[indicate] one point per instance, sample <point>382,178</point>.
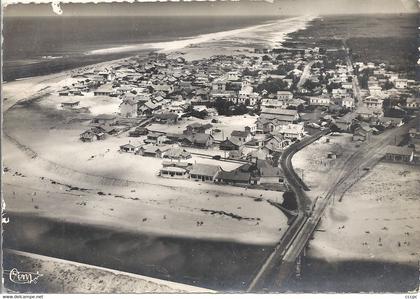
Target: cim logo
<point>23,277</point>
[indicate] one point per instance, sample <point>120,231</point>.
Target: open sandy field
<point>377,219</point>
<point>317,169</point>
<point>48,166</point>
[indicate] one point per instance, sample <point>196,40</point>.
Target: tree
<point>272,85</point>
<point>289,201</point>
<point>266,58</point>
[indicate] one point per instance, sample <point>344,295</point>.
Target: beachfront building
<point>204,172</point>
<point>128,148</point>
<point>173,172</point>
<point>70,105</point>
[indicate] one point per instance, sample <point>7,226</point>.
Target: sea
<point>42,45</point>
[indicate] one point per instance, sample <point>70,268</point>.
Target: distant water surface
<point>35,45</point>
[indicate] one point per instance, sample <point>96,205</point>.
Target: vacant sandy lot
<point>317,169</point>
<point>378,219</point>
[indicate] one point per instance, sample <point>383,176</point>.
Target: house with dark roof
<point>362,133</point>
<point>155,138</point>
<point>198,128</point>
<point>241,136</point>
<point>200,140</point>
<point>139,131</point>
<point>234,177</point>
<point>262,172</point>
<point>285,116</point>
<point>204,172</point>
<point>166,118</point>
<point>128,148</point>
<point>230,144</point>
<point>151,150</point>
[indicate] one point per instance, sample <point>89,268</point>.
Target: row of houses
<point>259,173</point>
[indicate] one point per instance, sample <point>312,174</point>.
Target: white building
<point>348,103</point>
<point>319,101</point>
<point>291,131</point>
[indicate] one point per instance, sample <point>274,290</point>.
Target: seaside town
<point>172,109</point>
<point>243,160</point>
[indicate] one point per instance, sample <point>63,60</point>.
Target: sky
<point>221,8</point>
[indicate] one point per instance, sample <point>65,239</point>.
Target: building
<point>198,128</point>
<point>176,153</point>
<point>399,154</point>
<point>366,113</point>
<point>284,96</point>
<point>128,148</point>
<point>104,90</point>
<point>262,172</point>
<point>230,145</point>
<point>286,116</point>
<point>241,136</point>
<point>319,101</point>
<point>104,119</point>
<point>166,118</point>
<point>234,177</point>
<point>401,83</point>
<point>155,138</point>
<point>92,135</point>
<point>139,131</point>
<point>204,172</point>
<point>129,107</point>
<point>344,123</point>
<point>173,172</point>
<point>347,103</point>
<point>201,140</point>
<point>276,144</point>
<point>362,133</point>
<point>373,102</point>
<point>413,103</point>
<point>151,150</point>
<point>69,105</point>
<point>292,131</point>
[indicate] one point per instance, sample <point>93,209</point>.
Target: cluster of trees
<point>289,201</point>
<point>199,114</point>
<point>228,108</point>
<point>272,85</point>
<point>283,69</point>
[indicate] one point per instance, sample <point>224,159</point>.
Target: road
<point>356,87</point>
<point>305,74</point>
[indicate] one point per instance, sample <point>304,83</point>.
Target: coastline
<point>118,53</point>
